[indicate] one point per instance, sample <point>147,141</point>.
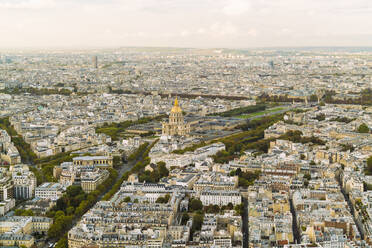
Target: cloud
<point>252,32</point>
<point>185,33</point>
<point>229,23</point>
<point>27,4</point>
<point>236,7</point>
<point>221,29</point>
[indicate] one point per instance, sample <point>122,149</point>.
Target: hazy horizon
<point>237,24</point>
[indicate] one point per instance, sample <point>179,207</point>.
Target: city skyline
<point>185,123</point>
<point>181,23</point>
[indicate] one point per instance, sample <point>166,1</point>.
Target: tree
<point>197,222</point>
<point>23,212</point>
<point>167,197</point>
<point>163,171</point>
<point>366,187</point>
<point>369,166</point>
<point>313,98</point>
<point>363,128</point>
<point>212,209</point>
<point>239,209</point>
<point>247,178</point>
<point>185,218</point>
<point>307,176</point>
<point>161,163</point>
<point>60,224</point>
<point>28,212</point>
<point>320,117</point>
<point>18,212</point>
<point>70,210</point>
<point>306,183</point>
<point>127,199</point>
<point>196,204</point>
<point>117,161</point>
<point>62,242</point>
<point>59,214</point>
<point>347,147</point>
<point>75,201</point>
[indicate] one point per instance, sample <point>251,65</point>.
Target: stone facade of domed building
<point>176,125</point>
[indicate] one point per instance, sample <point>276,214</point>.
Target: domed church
<point>176,125</point>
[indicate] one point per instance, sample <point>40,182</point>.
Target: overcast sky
<point>185,23</point>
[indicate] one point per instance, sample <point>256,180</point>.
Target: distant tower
<point>271,63</point>
<point>95,62</point>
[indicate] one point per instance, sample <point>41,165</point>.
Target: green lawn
<point>259,113</point>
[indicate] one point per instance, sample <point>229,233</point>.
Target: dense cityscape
<point>171,147</point>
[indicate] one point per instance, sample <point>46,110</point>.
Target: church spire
<point>176,102</point>
<point>176,108</point>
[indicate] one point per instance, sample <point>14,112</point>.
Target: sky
<point>185,23</point>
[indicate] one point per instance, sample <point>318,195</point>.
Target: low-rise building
<point>6,188</point>
<point>97,161</point>
<point>91,180</point>
<point>22,240</point>
<point>24,182</point>
<point>220,197</point>
<point>49,190</point>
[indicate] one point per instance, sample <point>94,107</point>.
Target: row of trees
<point>342,119</point>
<point>296,137</point>
<point>23,212</point>
<point>368,170</point>
<point>282,98</point>
<point>365,98</point>
<point>38,91</point>
<point>159,171</point>
<point>47,164</point>
<point>114,129</point>
<point>72,205</point>
<point>253,131</point>
<point>28,156</point>
<point>241,111</point>
<point>57,158</point>
<point>141,156</point>
<point>138,152</point>
<point>24,149</point>
<point>116,186</point>
<point>190,148</point>
<point>253,139</point>
<point>250,138</point>
<point>181,95</point>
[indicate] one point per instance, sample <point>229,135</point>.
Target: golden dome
<point>176,108</point>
